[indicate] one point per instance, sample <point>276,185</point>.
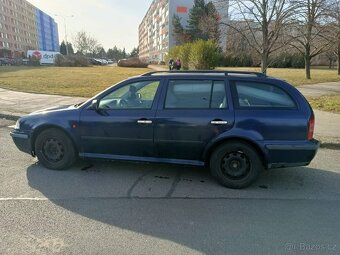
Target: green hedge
<point>200,55</point>
<point>288,60</point>
<point>206,55</point>
<point>71,61</point>
<point>238,60</point>
<point>282,60</point>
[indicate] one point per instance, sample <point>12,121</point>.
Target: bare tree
<point>261,23</point>
<point>86,44</point>
<point>333,12</point>
<point>209,23</point>
<point>310,30</point>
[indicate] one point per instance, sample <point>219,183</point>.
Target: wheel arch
<point>247,141</point>
<point>44,127</point>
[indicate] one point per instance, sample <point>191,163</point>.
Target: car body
<point>7,61</point>
<point>237,123</point>
<point>97,61</point>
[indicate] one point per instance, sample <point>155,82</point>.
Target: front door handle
<point>219,122</point>
<point>144,121</point>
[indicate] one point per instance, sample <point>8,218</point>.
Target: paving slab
<point>19,103</point>
<point>327,127</point>
<point>321,89</point>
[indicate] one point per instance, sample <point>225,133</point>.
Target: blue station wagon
<point>235,123</point>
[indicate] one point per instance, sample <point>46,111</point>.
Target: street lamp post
<point>65,17</point>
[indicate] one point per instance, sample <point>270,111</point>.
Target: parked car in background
<point>7,61</point>
<point>94,61</point>
<point>235,123</point>
<point>103,61</point>
<point>98,61</point>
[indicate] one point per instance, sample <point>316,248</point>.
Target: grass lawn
<point>88,81</point>
<point>296,77</point>
<point>326,103</point>
<point>74,81</point>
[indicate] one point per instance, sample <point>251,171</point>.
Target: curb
<point>330,146</point>
<point>9,116</point>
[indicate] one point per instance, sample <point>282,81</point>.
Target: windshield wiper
<point>77,105</point>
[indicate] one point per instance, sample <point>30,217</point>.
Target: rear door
<point>191,113</point>
<point>268,109</point>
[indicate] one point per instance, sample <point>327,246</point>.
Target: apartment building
<point>24,27</point>
<point>156,30</point>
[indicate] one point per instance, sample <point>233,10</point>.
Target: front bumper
<point>22,140</point>
<point>291,154</point>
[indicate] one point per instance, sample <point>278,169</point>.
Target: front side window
<point>262,95</point>
<point>137,95</point>
<point>196,94</point>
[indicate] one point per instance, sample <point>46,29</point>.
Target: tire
<point>54,149</point>
<point>235,165</point>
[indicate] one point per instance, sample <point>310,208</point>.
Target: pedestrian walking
<point>178,64</point>
<point>171,64</point>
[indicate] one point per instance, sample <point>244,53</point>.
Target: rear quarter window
<point>260,95</point>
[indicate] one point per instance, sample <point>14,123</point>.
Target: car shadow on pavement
<point>179,204</point>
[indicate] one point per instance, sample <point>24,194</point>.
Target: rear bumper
<point>22,141</point>
<point>291,155</point>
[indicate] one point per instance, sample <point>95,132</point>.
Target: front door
<point>193,113</point>
<point>123,123</point>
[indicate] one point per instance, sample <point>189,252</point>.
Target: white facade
<point>155,31</point>
<point>222,6</point>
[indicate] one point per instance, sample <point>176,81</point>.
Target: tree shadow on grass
<point>7,69</point>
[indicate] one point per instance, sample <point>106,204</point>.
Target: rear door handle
<point>144,121</point>
<point>219,122</point>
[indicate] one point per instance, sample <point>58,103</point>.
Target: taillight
<point>311,124</point>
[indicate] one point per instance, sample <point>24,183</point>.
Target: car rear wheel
<point>54,149</point>
<point>235,165</point>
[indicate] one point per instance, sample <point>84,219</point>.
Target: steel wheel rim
<point>235,165</point>
<point>53,150</point>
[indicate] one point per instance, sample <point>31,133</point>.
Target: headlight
<point>17,125</point>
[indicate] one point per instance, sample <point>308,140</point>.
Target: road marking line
<point>167,198</point>
<point>13,126</point>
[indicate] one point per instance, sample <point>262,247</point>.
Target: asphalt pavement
<point>100,207</point>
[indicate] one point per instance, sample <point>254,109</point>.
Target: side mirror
<point>94,105</point>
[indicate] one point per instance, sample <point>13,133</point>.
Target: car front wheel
<point>54,149</point>
<point>235,165</point>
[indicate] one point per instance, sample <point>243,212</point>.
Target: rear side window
<point>262,95</point>
<point>196,94</point>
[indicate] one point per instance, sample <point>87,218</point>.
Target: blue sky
<point>111,22</point>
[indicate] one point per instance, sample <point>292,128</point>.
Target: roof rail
<point>226,73</point>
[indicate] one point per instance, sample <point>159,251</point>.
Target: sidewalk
<point>321,89</point>
<point>15,104</point>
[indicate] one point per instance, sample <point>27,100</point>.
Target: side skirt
<point>142,159</point>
